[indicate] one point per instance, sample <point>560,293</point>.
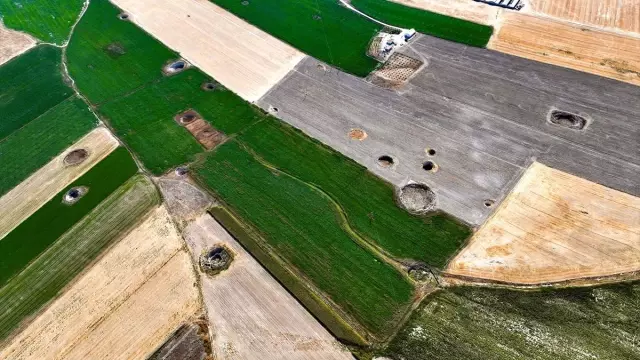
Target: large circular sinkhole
<point>182,171</point>
<point>76,157</point>
<point>74,194</point>
<point>175,67</point>
<point>215,259</point>
<point>421,272</point>
<point>430,166</point>
<point>187,117</point>
<point>385,161</point>
<point>417,198</point>
<point>567,120</point>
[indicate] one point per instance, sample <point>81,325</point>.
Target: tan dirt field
<point>251,316</point>
<point>13,43</point>
<point>554,227</point>
<point>123,307</point>
<point>462,9</point>
<point>615,14</point>
<point>241,57</point>
<point>26,198</point>
<point>564,44</point>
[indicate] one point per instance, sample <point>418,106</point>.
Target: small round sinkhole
<point>175,67</point>
<point>188,118</point>
<point>245,3</point>
<point>357,134</point>
<point>385,161</point>
<point>123,16</point>
<point>178,65</point>
<point>215,259</point>
<point>431,152</point>
<point>316,17</point>
<point>209,86</point>
<point>429,166</point>
<point>567,120</point>
<point>273,109</point>
<point>76,157</point>
<point>74,194</point>
<point>417,198</point>
<point>489,203</point>
<point>182,171</point>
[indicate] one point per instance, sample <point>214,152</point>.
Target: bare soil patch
<point>13,43</point>
<point>463,9</point>
<point>396,71</point>
<point>357,134</point>
<point>206,135</point>
<point>417,198</point>
<point>75,157</point>
<point>189,342</point>
<point>184,200</point>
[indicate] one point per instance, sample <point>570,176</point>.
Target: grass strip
<point>40,230</point>
<point>46,276</point>
<point>48,20</point>
<point>30,85</point>
<point>53,132</point>
<point>367,200</point>
<point>314,304</point>
<point>303,227</point>
<point>483,323</point>
<point>426,22</point>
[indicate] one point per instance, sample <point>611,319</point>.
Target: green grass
<point>426,22</point>
<point>145,119</point>
<point>102,74</point>
<point>367,200</point>
<point>45,277</point>
<point>41,229</point>
<point>303,227</point>
<point>477,323</point>
<point>30,85</point>
<point>35,144</point>
<point>48,20</point>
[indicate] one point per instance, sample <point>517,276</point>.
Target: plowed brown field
<point>13,43</point>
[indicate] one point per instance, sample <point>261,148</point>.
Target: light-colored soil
<point>616,14</point>
<point>26,198</point>
<point>555,227</point>
<point>570,45</point>
<point>250,314</point>
<point>243,58</point>
<point>184,200</point>
<point>463,9</point>
<point>123,307</point>
<point>13,43</point>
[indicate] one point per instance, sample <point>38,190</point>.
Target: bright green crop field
<point>367,200</point>
<point>41,229</point>
<point>35,144</point>
<point>30,85</point>
<point>303,226</point>
<point>483,323</point>
<point>47,20</point>
<point>42,279</point>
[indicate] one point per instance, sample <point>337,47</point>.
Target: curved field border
<point>13,43</point>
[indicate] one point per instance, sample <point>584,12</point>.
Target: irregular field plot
<point>36,143</point>
<point>30,85</point>
<point>462,9</point>
<point>41,229</point>
<point>426,22</point>
<point>477,323</point>
<point>49,21</point>
<point>47,275</point>
<point>555,227</point>
<point>253,325</point>
<point>13,43</point>
<point>301,225</point>
<point>367,200</point>
<point>124,306</point>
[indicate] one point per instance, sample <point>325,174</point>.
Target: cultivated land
<point>13,43</point>
<point>32,193</point>
<point>616,14</point>
<point>45,277</point>
<point>477,323</point>
<point>463,9</point>
<point>248,61</point>
<point>124,306</point>
<point>40,230</point>
<point>561,43</point>
<point>272,325</point>
<point>554,227</point>
<point>49,20</point>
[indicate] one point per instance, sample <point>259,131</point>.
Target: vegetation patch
<point>483,323</point>
<point>43,279</point>
<point>41,229</point>
<point>39,141</point>
<point>49,20</point>
<point>30,85</point>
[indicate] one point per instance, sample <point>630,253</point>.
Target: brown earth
<point>463,9</point>
<point>184,200</point>
<point>570,45</point>
<point>357,134</point>
<point>13,43</point>
<point>554,227</point>
<point>205,134</point>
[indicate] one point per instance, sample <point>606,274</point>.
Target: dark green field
<point>47,20</point>
<point>41,229</point>
<point>477,323</point>
<point>367,200</point>
<point>30,85</point>
<point>426,22</point>
<point>35,144</point>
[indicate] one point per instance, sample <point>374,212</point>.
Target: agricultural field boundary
<point>13,43</point>
<point>49,274</point>
<point>31,194</point>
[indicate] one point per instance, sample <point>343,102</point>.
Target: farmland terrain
<point>13,43</point>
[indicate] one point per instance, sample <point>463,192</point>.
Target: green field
<point>30,85</point>
<point>49,21</point>
<point>367,200</point>
<point>35,144</point>
<point>47,275</point>
<point>426,22</point>
<point>41,229</point>
<point>303,226</point>
<point>477,323</point>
